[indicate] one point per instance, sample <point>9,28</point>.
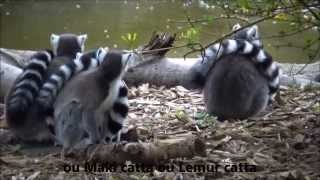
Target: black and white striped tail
<point>117,114</point>
<point>27,86</point>
<point>57,80</point>
<point>260,57</point>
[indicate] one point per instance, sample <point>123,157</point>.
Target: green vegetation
<point>191,35</point>
<point>294,28</point>
<point>204,120</point>
<point>130,39</point>
<point>298,15</point>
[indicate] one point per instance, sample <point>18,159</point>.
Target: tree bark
<point>19,58</point>
<point>8,74</point>
<point>164,71</point>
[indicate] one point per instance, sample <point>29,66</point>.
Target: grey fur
<point>71,129</point>
<point>235,89</point>
<point>67,44</point>
<point>200,70</point>
<point>56,81</point>
<point>92,89</point>
<point>317,78</point>
<point>237,75</point>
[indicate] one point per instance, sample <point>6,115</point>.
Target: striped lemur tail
<point>27,86</point>
<point>21,111</point>
<point>115,106</point>
<point>260,58</point>
<point>246,43</point>
<point>117,115</point>
<point>65,72</point>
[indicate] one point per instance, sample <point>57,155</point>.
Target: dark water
<point>27,24</point>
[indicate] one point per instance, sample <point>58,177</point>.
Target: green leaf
<point>203,119</point>
<point>129,39</point>
<point>134,36</point>
<point>208,18</point>
<point>124,38</point>
<point>281,17</point>
<point>129,36</point>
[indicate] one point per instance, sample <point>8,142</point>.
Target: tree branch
<point>310,10</point>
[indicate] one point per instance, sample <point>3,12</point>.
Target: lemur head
<point>250,34</point>
<point>113,64</point>
<point>67,44</point>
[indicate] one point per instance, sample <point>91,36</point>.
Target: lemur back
<point>214,52</point>
<point>246,46</point>
<point>65,72</point>
<point>235,89</point>
<point>103,97</point>
<point>23,115</point>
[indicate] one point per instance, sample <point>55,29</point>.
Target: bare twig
<point>203,20</point>
<point>159,43</point>
<point>227,35</point>
<point>243,27</point>
<point>310,10</point>
<point>289,33</point>
<point>311,58</point>
<point>193,50</point>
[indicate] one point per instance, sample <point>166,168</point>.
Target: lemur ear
<point>78,55</point>
<point>253,34</point>
<point>128,59</point>
<point>101,54</point>
<point>54,40</point>
<point>236,27</point>
<point>253,31</point>
<point>82,39</point>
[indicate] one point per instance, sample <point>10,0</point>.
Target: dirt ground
<point>284,143</point>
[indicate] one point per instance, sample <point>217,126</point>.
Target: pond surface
<point>27,24</point>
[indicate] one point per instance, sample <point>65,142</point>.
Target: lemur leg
<point>68,127</point>
<point>91,127</point>
<point>117,137</point>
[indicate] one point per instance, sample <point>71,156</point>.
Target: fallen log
<point>176,71</point>
<point>159,70</point>
<point>8,74</point>
<point>153,153</point>
<point>15,57</point>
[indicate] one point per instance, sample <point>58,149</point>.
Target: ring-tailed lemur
<point>56,81</point>
<point>260,58</point>
<point>201,68</point>
<point>102,95</point>
<point>246,45</point>
<point>23,115</point>
<point>235,88</point>
<point>246,42</point>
